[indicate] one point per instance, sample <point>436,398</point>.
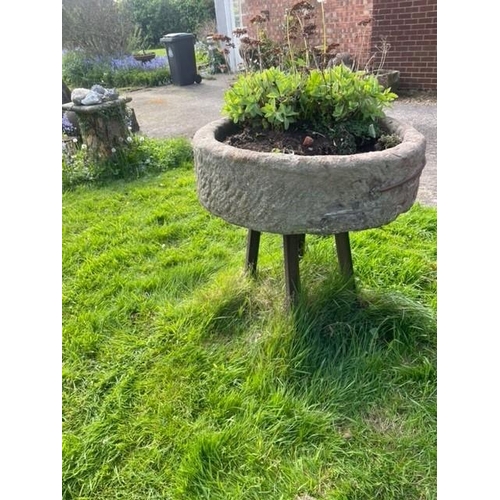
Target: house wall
<point>410,27</point>
<point>224,19</point>
<point>341,18</point>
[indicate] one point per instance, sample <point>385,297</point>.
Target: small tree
<point>98,27</point>
<point>156,18</point>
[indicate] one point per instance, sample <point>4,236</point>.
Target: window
<point>236,5</point>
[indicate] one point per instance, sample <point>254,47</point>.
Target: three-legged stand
<point>293,250</point>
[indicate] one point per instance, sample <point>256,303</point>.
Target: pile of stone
<point>95,95</point>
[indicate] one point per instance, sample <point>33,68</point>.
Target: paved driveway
<point>422,116</point>
<point>172,111</point>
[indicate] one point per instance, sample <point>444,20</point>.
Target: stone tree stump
<point>103,126</point>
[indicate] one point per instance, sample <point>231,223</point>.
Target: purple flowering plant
<point>113,72</point>
<point>67,126</point>
<point>130,63</point>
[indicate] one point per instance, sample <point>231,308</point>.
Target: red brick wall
<point>410,26</point>
<point>341,18</point>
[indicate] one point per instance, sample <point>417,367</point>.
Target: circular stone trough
<point>292,194</point>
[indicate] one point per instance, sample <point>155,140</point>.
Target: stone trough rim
<point>320,194</point>
<point>411,139</point>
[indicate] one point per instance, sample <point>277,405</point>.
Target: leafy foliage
<point>339,94</point>
<point>269,98</point>
<point>80,70</point>
<point>97,27</point>
<point>323,99</point>
<point>109,28</point>
<point>138,156</point>
<point>387,141</point>
<point>159,17</point>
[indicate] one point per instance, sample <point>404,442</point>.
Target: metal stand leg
<point>253,240</point>
<point>343,247</point>
<point>291,246</point>
<point>302,245</point>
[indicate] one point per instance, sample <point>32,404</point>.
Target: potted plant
<point>307,152</point>
<point>144,56</point>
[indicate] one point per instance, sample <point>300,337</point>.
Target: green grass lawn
<point>185,379</point>
<point>161,51</point>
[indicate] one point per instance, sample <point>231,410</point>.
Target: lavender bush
<point>81,71</point>
<point>130,63</point>
<point>67,126</point>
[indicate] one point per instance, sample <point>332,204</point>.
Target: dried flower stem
<point>290,49</point>
<point>306,47</point>
<point>384,49</point>
<point>324,32</point>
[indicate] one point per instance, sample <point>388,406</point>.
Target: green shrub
<point>158,17</point>
<point>79,70</point>
<point>136,158</point>
<point>340,95</point>
<point>319,99</point>
<point>268,98</point>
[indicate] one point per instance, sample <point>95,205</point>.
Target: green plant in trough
<point>267,98</point>
<point>320,100</point>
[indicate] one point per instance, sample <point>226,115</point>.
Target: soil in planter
<point>305,142</point>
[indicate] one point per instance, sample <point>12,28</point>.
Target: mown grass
<point>185,379</point>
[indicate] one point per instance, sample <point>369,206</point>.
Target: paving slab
<point>173,111</point>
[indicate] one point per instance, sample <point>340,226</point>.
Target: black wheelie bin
<point>181,58</point>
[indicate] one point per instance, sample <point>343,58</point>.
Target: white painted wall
<point>225,25</point>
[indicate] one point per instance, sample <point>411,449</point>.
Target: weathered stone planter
<point>145,57</point>
<point>291,194</point>
<point>389,78</point>
<point>294,195</point>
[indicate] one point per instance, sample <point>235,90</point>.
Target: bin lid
<point>175,37</point>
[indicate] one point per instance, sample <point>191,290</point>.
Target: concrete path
<point>422,116</point>
<point>172,111</point>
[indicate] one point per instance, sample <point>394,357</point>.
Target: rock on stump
<point>103,126</point>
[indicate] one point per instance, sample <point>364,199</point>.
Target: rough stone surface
<point>389,79</point>
<point>99,89</point>
<point>96,108</point>
<point>341,58</point>
<point>423,117</point>
<point>287,194</point>
<point>172,111</point>
<point>92,98</point>
<point>110,95</point>
<point>77,95</point>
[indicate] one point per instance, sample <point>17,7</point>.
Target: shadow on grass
<point>331,322</point>
<point>231,317</point>
<point>360,343</point>
<point>333,319</point>
<point>355,349</point>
